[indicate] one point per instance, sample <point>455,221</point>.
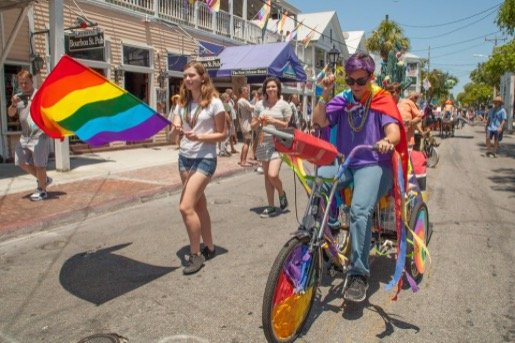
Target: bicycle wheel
<point>415,255</point>
<point>432,156</point>
<point>290,291</point>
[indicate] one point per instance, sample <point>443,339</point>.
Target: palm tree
<point>387,37</point>
<point>389,41</point>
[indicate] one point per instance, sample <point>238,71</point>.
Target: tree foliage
<point>387,37</point>
<point>475,94</point>
<point>441,84</point>
<point>506,17</point>
<point>501,61</point>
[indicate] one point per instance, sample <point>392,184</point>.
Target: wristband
<point>322,101</point>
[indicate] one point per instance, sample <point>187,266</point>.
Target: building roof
<point>353,40</point>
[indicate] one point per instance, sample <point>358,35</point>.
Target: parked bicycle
<point>317,246</point>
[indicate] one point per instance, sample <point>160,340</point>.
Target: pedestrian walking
<point>495,122</point>
<point>245,109</point>
<point>31,152</point>
<point>200,119</point>
<point>272,112</point>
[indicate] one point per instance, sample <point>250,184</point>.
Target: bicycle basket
<point>307,147</point>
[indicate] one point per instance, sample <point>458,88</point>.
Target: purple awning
<point>256,62</point>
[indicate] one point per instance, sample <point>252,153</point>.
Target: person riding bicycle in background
<point>364,114</point>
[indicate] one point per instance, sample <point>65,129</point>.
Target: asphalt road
<point>121,272</point>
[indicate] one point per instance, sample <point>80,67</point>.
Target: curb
<point>13,230</point>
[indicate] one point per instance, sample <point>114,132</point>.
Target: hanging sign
<point>86,40</point>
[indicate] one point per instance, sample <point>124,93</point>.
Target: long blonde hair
<point>207,89</point>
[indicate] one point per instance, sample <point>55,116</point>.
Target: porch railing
<point>198,15</point>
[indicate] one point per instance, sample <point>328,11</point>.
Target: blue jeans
<point>370,184</point>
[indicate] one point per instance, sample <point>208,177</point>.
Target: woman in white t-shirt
<point>272,111</point>
<point>199,118</point>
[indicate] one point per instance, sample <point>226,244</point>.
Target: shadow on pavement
<point>51,195</point>
<point>100,276</point>
<point>504,180</point>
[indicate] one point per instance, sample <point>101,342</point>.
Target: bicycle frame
<point>319,231</point>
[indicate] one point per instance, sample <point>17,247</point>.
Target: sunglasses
<point>361,81</point>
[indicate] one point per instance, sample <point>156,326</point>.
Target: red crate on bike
<point>309,148</point>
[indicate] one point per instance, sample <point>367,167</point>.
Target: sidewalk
<point>97,183</point>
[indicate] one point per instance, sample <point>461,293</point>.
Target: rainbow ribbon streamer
<point>75,100</point>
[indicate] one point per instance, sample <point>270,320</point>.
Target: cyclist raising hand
<point>363,114</point>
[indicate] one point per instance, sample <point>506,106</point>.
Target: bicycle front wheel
<point>290,291</point>
<point>432,157</point>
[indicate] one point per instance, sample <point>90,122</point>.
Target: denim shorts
<point>206,166</point>
<point>493,134</point>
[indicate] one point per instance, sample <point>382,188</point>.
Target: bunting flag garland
<point>309,37</point>
<point>263,14</point>
<point>293,33</point>
<point>214,5</point>
<point>281,22</point>
<point>75,100</point>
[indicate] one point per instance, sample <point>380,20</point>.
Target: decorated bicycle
<point>362,178</point>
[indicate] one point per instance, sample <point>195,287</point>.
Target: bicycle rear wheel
<point>415,255</point>
<point>290,291</point>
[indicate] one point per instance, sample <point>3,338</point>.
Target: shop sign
<point>249,72</point>
<point>210,62</point>
<point>86,40</point>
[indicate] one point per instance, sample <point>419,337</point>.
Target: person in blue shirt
<point>495,122</point>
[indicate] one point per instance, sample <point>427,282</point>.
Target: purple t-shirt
<point>338,110</point>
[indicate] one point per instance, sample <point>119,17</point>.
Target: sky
<point>461,33</point>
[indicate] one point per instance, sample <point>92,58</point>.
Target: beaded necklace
<point>363,118</point>
<point>190,118</point>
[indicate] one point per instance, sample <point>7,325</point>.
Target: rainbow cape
<point>75,100</point>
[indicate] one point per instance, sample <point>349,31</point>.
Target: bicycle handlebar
<point>278,133</point>
<point>345,165</point>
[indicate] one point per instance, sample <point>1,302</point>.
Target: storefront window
<point>136,56</point>
<point>177,62</point>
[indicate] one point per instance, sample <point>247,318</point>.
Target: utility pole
<point>62,148</point>
<point>495,39</point>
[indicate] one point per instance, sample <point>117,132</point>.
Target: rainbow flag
<point>263,14</point>
<point>309,37</point>
<point>214,5</point>
<point>293,33</point>
<point>75,100</point>
<point>282,21</point>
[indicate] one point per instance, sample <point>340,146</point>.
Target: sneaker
<point>259,170</point>
<point>49,180</point>
<point>208,254</point>
<point>283,201</point>
<point>39,195</point>
<point>268,212</point>
<point>356,289</point>
<point>194,264</point>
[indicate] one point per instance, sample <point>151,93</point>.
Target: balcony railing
<point>199,16</point>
